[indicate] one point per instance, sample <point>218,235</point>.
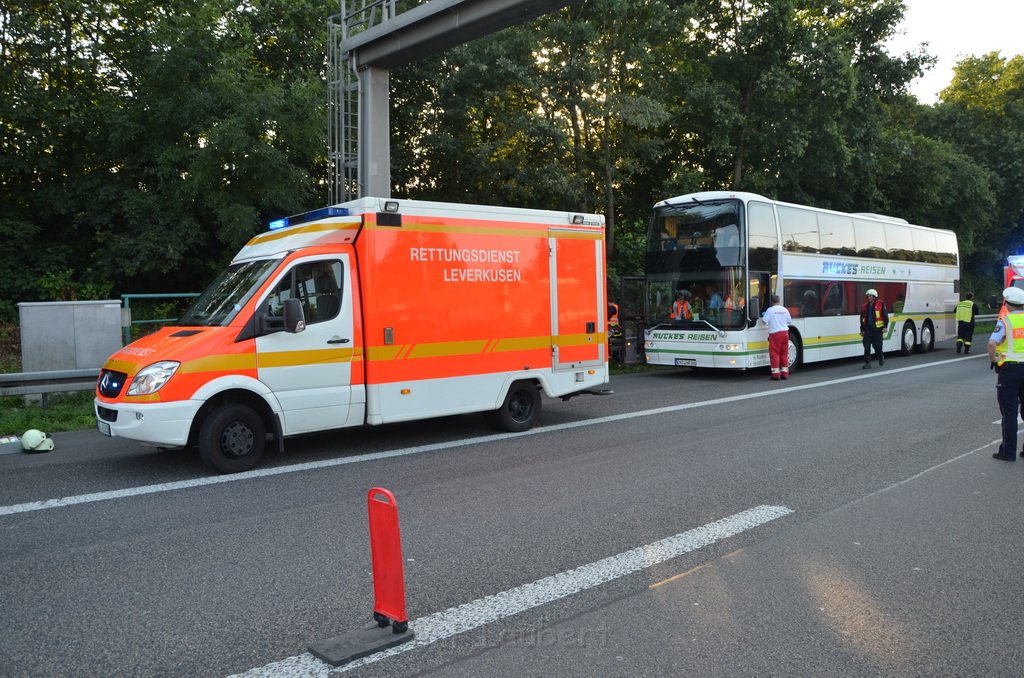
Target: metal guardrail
<point>57,381</point>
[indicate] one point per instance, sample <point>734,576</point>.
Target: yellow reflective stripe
<point>457,348</point>
<point>311,228</point>
<point>311,357</point>
<point>446,348</point>
<point>237,362</point>
<point>577,339</point>
<point>122,366</point>
<point>541,232</point>
<point>522,344</point>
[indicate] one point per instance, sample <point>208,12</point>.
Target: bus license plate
<point>686,362</point>
<point>103,427</point>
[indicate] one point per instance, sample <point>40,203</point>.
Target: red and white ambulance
<point>371,312</point>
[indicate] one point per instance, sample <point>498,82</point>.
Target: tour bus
<point>726,253</point>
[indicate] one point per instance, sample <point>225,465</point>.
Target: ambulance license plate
<point>686,362</point>
<point>103,427</point>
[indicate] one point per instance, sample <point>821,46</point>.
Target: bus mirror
<point>992,303</point>
<point>294,319</point>
<point>753,311</point>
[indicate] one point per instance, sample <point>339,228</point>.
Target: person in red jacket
<point>874,318</point>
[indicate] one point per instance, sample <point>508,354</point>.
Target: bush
<point>10,347</point>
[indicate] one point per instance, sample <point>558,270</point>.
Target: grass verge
<point>64,412</point>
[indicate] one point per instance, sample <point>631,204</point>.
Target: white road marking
<point>483,611</point>
<point>433,447</point>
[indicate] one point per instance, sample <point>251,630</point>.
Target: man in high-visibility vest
<point>873,321</point>
<point>681,307</point>
<point>966,311</point>
<point>1006,353</point>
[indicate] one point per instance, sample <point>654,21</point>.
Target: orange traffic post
<point>388,590</point>
<point>386,554</point>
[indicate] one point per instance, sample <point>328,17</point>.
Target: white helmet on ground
<point>35,440</point>
<point>1014,296</point>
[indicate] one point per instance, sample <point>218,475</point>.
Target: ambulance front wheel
<point>231,439</point>
<point>520,410</point>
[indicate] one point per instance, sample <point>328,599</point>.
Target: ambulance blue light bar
<point>305,217</point>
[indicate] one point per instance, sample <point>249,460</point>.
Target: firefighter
<point>966,311</point>
<point>1006,353</point>
<point>873,321</point>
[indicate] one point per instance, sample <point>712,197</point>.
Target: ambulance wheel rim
<point>520,406</point>
<point>236,440</point>
<point>232,438</point>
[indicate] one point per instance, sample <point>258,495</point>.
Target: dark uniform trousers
<point>872,339</point>
<point>1010,394</point>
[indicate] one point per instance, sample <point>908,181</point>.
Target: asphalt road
<point>845,522</point>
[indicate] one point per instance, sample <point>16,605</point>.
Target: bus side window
<point>834,300</point>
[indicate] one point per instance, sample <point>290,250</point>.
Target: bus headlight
<point>730,347</point>
<point>151,379</point>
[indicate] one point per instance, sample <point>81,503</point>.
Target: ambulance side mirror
<point>294,318</point>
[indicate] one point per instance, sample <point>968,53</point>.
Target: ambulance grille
<point>111,383</point>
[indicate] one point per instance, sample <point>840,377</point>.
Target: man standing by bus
<point>778,319</point>
<point>966,311</point>
<point>1006,351</point>
<point>873,321</point>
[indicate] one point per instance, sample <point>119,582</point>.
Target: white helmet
<point>871,293</point>
<point>35,440</point>
<point>1014,296</point>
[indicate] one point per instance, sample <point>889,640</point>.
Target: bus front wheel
<point>908,339</point>
<point>793,352</point>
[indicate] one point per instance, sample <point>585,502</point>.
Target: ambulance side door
<point>310,371</point>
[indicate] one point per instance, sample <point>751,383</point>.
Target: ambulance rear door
<point>578,307</point>
<point>310,371</point>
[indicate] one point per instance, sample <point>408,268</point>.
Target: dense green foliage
<point>143,143</point>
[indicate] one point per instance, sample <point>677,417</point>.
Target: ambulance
<point>1013,276</point>
<point>371,312</point>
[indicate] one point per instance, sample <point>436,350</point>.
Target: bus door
<point>760,295</point>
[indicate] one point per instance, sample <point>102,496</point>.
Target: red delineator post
<point>386,554</point>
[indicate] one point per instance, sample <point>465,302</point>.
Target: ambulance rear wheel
<point>231,439</point>
<point>520,410</point>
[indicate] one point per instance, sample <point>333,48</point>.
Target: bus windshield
<point>696,265</point>
<point>224,298</point>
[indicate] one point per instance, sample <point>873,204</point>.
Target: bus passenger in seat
<point>681,307</point>
<point>778,319</point>
<point>810,306</point>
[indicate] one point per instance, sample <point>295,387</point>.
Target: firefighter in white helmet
<point>874,318</point>
<point>1006,353</point>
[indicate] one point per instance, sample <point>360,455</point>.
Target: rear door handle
<point>337,340</point>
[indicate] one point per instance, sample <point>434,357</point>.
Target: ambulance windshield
<point>224,298</point>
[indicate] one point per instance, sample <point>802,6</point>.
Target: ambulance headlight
<point>152,378</point>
